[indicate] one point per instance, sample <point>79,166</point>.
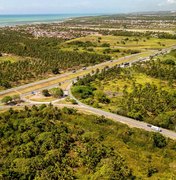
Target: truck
<point>156,128</point>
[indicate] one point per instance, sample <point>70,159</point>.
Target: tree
<point>46,93</point>
<point>7,99</point>
<point>16,98</point>
<point>105,45</point>
<point>57,92</point>
<point>55,71</point>
<point>169,62</point>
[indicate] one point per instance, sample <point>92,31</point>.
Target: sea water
<point>13,20</point>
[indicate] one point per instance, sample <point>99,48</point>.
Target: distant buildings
<point>53,31</point>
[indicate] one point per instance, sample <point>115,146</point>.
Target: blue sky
<point>83,6</point>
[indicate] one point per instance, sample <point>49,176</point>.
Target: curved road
<point>35,85</point>
<point>130,122</point>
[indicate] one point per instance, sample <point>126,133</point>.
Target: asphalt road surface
<point>130,122</point>
<point>108,63</point>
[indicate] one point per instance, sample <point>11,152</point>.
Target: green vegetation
<point>135,22</point>
<point>115,41</point>
<point>146,91</point>
<point>46,93</point>
<point>10,57</point>
<point>28,59</point>
<point>45,58</point>
<point>116,46</point>
<point>47,143</point>
<point>162,69</point>
<point>11,99</point>
<point>55,92</point>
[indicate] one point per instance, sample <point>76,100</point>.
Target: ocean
<point>13,20</point>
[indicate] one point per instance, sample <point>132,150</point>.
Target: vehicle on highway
<point>84,68</point>
<point>156,128</point>
<point>149,125</point>
<point>74,71</point>
<point>126,64</point>
<point>33,92</point>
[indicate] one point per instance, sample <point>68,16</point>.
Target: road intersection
<point>69,77</point>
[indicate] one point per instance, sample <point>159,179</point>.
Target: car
<point>74,71</point>
<point>126,64</point>
<point>33,93</point>
<point>149,125</point>
<point>84,68</point>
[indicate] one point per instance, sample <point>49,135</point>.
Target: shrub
<point>46,93</point>
<point>159,140</point>
<point>7,99</point>
<point>57,92</point>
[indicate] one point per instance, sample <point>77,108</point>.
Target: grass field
<point>11,58</point>
<point>171,55</point>
<point>114,88</point>
<point>117,43</point>
<point>40,98</point>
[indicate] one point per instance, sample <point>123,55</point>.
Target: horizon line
<point>91,13</point>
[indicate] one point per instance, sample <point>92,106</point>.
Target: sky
<point>83,6</point>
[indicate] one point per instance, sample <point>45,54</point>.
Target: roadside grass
<point>64,85</point>
<point>74,75</point>
<point>41,98</point>
<point>168,56</point>
<point>66,100</point>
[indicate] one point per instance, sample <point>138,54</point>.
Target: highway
<point>125,120</point>
<point>51,82</point>
<point>80,106</point>
<point>130,122</point>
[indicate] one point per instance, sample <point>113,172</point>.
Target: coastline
<point>20,20</point>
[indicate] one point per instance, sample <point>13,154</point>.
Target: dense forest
<point>152,99</point>
<point>43,57</point>
<point>48,143</point>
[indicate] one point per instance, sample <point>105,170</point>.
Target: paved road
<point>30,85</point>
<point>106,63</point>
<point>130,122</point>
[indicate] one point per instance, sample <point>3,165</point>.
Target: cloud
<point>171,1</point>
<point>168,3</point>
<point>83,6</point>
